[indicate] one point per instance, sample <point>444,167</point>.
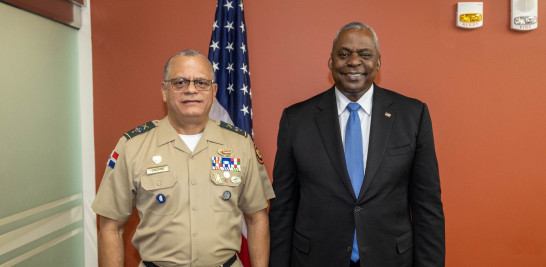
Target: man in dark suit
<point>356,175</point>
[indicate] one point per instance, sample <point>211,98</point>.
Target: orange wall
<point>485,89</point>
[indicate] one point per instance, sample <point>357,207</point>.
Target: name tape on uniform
<point>157,169</point>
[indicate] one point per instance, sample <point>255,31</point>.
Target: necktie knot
<point>353,106</point>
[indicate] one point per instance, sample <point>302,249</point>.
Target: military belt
<point>228,263</point>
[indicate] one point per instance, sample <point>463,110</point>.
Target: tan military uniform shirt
<point>190,209</point>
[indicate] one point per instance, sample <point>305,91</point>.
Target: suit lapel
<point>328,126</point>
<point>382,119</point>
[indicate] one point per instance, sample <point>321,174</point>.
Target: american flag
<point>228,53</point>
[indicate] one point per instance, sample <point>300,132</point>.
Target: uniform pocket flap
<point>301,242</point>
<point>404,242</point>
<point>156,182</point>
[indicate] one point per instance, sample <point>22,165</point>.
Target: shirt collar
<point>365,101</point>
<point>167,133</point>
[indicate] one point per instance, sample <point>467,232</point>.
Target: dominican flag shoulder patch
<point>113,159</point>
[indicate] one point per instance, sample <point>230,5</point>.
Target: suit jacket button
<point>357,209</point>
<point>349,248</point>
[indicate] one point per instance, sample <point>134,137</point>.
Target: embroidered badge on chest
<point>156,159</point>
<point>160,198</point>
<point>225,152</point>
<point>217,178</point>
<point>226,164</point>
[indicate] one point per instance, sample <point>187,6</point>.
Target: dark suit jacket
<point>398,215</point>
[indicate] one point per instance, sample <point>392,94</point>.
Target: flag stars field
<point>228,53</point>
<point>244,110</point>
<point>244,89</point>
<point>229,26</point>
<point>228,5</point>
<point>244,68</point>
<point>229,47</point>
<point>215,66</point>
<point>214,46</point>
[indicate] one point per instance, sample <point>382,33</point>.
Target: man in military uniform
<point>191,179</point>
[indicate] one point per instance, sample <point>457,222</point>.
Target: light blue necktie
<point>354,158</point>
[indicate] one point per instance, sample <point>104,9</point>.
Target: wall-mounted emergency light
<point>469,15</point>
<point>524,15</point>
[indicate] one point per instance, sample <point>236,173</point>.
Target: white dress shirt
<point>365,114</point>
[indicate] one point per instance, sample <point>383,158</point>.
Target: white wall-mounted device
<point>524,15</point>
<point>469,15</point>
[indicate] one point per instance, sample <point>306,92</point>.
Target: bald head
<point>186,53</point>
<point>358,26</point>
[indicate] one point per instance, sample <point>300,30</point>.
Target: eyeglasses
<point>183,84</point>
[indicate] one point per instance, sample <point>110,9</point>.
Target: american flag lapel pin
<point>387,114</point>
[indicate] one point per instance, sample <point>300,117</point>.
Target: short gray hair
<point>186,53</point>
<point>358,26</point>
